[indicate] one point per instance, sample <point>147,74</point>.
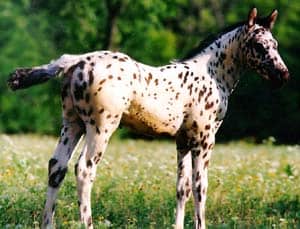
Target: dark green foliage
<point>35,31</point>
<point>286,206</point>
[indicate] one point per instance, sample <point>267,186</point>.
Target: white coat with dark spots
<point>186,99</point>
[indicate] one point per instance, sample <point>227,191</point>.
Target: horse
<point>187,99</point>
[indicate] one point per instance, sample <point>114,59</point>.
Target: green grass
<point>250,186</point>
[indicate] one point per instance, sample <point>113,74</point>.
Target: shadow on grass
<point>136,207</point>
<point>284,212</point>
<point>286,207</point>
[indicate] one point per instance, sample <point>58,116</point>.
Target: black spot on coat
<point>56,178</point>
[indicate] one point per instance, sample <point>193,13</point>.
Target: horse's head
<point>262,49</point>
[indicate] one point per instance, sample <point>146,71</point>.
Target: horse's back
<point>121,86</point>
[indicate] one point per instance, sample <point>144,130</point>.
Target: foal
<point>187,99</point>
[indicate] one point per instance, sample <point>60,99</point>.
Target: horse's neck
<point>223,59</point>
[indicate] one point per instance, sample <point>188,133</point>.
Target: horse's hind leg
<point>97,136</point>
<point>70,135</point>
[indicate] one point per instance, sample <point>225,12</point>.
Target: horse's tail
<point>27,77</point>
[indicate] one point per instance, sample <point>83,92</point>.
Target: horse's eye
<point>259,48</point>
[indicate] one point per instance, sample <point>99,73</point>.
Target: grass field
<point>250,186</point>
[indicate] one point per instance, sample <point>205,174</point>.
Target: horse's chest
<point>212,103</point>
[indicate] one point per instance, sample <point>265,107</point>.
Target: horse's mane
<point>209,40</point>
<point>213,37</point>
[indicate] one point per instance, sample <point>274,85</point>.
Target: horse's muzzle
<point>278,77</point>
<point>285,75</point>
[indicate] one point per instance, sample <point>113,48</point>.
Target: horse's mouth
<point>278,77</point>
<point>278,82</point>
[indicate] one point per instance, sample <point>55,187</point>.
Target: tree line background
<point>33,32</point>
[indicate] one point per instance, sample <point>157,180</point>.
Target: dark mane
<point>262,21</point>
<point>209,40</point>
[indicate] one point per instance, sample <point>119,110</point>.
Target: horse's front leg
<point>57,168</point>
<point>184,177</point>
<point>97,137</point>
<point>201,152</point>
<point>184,185</point>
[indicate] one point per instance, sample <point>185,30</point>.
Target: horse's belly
<point>151,121</point>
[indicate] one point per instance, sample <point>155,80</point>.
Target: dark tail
<point>27,77</point>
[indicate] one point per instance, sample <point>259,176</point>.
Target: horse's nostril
<point>285,75</point>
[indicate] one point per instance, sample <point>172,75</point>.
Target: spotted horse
<point>186,99</point>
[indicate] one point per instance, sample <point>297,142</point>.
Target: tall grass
<point>250,186</point>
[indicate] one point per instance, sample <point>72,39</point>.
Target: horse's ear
<point>252,17</point>
<point>271,19</point>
